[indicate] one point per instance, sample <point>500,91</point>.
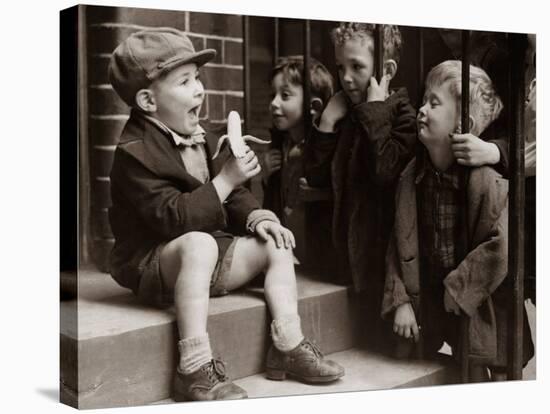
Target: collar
<point>451,175</point>
<point>195,138</point>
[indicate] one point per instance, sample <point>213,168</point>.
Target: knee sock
<point>286,332</point>
<point>194,353</point>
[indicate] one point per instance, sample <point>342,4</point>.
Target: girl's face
<point>438,116</point>
<point>355,64</point>
<point>287,105</point>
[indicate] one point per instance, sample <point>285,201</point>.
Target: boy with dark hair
<point>283,162</point>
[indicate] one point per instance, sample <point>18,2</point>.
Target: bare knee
<point>195,248</point>
<point>280,274</point>
<point>278,255</point>
<point>193,256</point>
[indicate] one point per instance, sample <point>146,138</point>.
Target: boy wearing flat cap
<point>185,232</point>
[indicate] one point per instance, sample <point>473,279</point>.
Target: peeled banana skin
<point>234,137</point>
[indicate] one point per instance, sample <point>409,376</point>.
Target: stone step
<point>365,371</point>
<point>116,352</point>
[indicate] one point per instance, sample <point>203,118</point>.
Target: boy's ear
<point>316,107</point>
<point>145,100</point>
<point>390,68</point>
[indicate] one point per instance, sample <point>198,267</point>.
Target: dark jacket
<point>155,200</point>
<point>361,162</point>
<point>480,272</point>
<point>278,192</point>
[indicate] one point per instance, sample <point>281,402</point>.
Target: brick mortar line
<point>101,86</point>
<point>120,117</point>
<point>224,66</point>
<point>101,55</point>
<point>123,118</point>
<point>110,117</point>
<point>216,37</point>
<point>99,239</point>
<point>104,147</point>
<point>237,94</point>
<point>208,65</point>
<point>111,25</point>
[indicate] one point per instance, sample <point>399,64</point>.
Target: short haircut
<point>292,68</point>
<point>392,40</point>
<point>485,104</point>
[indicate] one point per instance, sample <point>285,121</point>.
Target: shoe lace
<point>314,348</point>
<point>215,371</point>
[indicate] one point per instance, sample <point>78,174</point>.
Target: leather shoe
<point>208,383</point>
<point>305,363</point>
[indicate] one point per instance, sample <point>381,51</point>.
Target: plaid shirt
<point>440,198</point>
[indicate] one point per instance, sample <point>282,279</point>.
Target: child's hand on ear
<point>472,151</point>
<point>336,109</point>
<point>378,92</point>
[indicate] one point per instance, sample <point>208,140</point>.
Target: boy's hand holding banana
<point>243,165</point>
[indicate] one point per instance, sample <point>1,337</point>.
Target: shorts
<point>151,289</point>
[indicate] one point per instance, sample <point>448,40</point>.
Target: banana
<point>234,137</point>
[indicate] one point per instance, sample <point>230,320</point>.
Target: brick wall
<point>223,80</point>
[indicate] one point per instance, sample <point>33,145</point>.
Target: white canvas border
<point>29,159</point>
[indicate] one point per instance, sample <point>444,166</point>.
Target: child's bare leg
<point>251,256</point>
<point>186,264</point>
<point>291,353</point>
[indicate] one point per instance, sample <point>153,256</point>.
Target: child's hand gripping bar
<point>237,143</point>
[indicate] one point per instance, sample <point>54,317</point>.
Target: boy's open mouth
<point>195,110</point>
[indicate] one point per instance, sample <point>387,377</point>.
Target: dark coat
<point>361,162</point>
<point>156,200</point>
<point>279,194</point>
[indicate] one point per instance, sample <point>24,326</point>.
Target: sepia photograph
<point>272,206</point>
